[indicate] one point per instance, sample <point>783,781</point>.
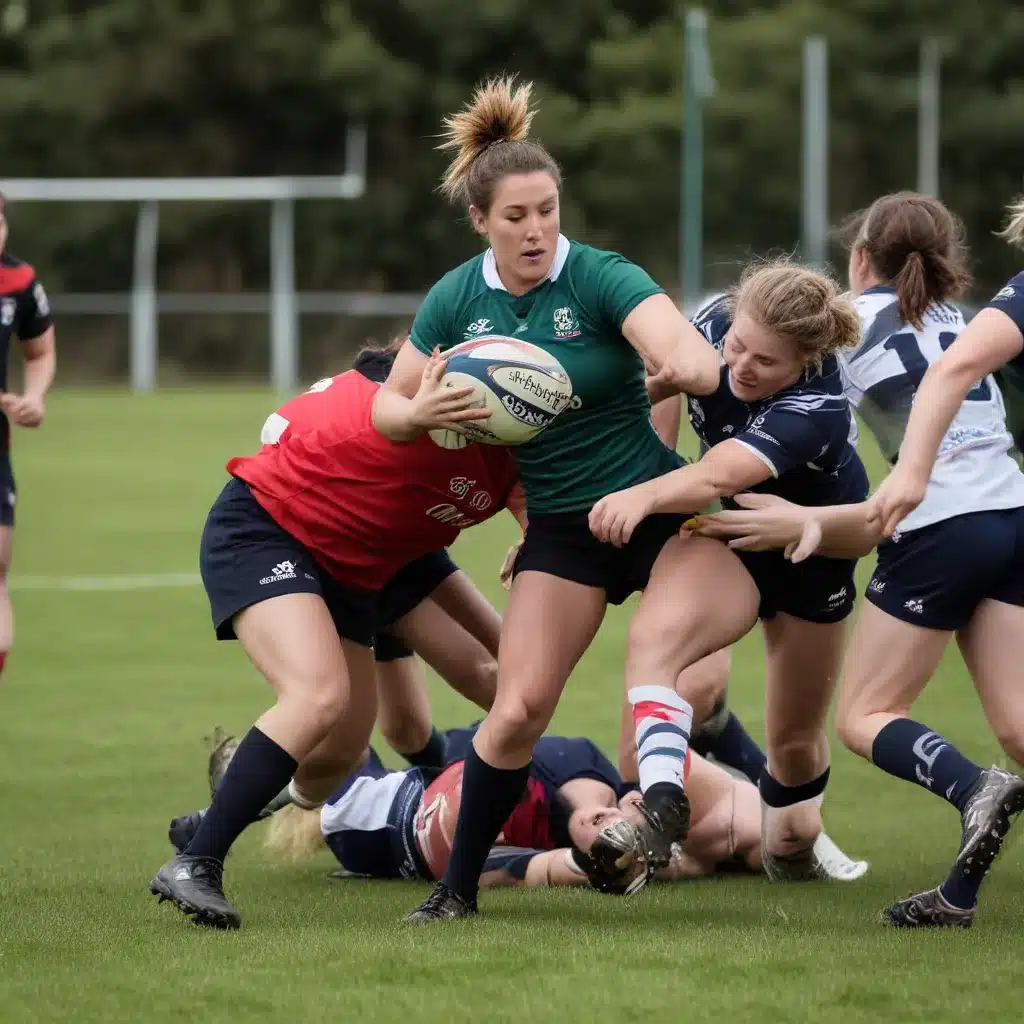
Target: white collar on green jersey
<point>490,268</point>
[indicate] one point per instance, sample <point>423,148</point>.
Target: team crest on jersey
<point>566,324</point>
<point>476,328</point>
<point>8,308</point>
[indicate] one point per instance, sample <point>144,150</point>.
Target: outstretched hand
<point>764,522</point>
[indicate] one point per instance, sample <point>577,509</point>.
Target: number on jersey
<point>915,366</point>
<point>275,424</point>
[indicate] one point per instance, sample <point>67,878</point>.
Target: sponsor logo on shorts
<point>914,605</point>
<point>8,308</point>
<point>459,486</point>
<point>834,600</point>
<point>481,501</point>
<point>876,586</point>
<point>1004,293</point>
<point>281,571</point>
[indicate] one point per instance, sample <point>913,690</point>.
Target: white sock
<point>301,800</point>
<point>663,722</point>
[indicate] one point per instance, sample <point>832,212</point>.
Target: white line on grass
<point>156,581</point>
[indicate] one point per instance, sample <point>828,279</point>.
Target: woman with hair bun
<point>603,318</point>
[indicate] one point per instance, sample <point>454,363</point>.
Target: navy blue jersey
<point>24,313</point>
<point>1010,300</point>
<point>802,433</point>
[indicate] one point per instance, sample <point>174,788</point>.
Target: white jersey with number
<point>974,471</point>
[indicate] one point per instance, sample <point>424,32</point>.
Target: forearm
<point>552,868</point>
<point>393,415</point>
<point>665,417</point>
<point>40,365</point>
<point>688,489</point>
<point>845,532</point>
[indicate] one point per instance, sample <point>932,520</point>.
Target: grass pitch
<point>105,702</point>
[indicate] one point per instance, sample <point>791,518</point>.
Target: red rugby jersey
<point>363,505</point>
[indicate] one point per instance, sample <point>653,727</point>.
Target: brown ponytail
<point>916,247</point>
<point>490,137</point>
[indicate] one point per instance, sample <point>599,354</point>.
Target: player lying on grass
<point>294,555</point>
<point>778,422</point>
<point>575,814</point>
<point>956,564</point>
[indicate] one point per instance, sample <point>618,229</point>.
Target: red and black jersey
<point>363,505</point>
<point>24,310</point>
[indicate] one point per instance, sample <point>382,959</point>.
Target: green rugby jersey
<point>604,440</point>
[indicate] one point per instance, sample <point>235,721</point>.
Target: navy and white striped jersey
<point>804,434</point>
<point>368,822</point>
<point>974,471</point>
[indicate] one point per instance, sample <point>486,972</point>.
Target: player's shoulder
<point>15,274</point>
<point>819,390</point>
<point>466,278</point>
<point>1013,287</point>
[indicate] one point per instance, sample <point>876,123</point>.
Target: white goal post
<point>280,192</point>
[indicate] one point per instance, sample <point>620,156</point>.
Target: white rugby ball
<point>524,387</point>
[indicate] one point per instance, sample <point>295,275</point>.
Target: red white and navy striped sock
<point>663,722</point>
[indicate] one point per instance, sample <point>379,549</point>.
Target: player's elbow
<point>692,370</point>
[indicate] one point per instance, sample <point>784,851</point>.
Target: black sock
<point>489,796</point>
<point>432,755</point>
<point>775,794</point>
<point>256,774</point>
<point>911,751</point>
<point>735,747</point>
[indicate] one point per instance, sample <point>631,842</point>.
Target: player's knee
<point>325,702</point>
<point>405,730</point>
<point>1011,739</point>
<point>799,757</point>
<point>482,682</point>
<point>850,729</point>
<point>519,720</point>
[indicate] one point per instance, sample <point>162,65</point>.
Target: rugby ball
<point>524,387</point>
<point>434,824</point>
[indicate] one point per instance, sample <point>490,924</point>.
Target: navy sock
<point>257,773</point>
<point>961,889</point>
<point>735,747</point>
<point>432,755</point>
<point>911,751</point>
<point>489,795</point>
